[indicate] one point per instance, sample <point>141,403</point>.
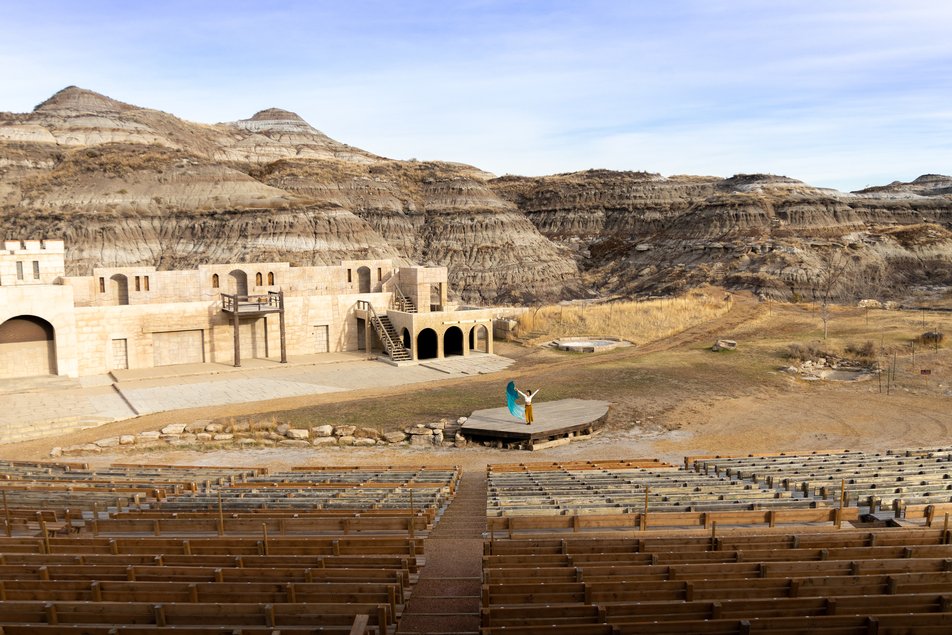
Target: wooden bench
<point>921,624</point>
<point>276,615</point>
<point>203,592</point>
<point>326,564</point>
<point>316,545</point>
<point>274,526</point>
<point>512,524</point>
<point>542,616</point>
<point>356,626</point>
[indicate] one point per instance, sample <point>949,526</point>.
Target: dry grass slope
<point>639,322</point>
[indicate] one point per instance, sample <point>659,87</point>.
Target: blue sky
<point>840,94</point>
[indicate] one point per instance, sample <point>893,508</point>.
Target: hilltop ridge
<point>155,189</point>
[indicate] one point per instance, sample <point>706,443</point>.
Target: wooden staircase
<point>392,343</point>
<point>401,302</point>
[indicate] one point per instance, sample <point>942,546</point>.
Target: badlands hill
<point>126,185</point>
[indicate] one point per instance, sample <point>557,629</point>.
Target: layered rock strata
<point>125,185</point>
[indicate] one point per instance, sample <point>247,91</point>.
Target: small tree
<point>826,280</point>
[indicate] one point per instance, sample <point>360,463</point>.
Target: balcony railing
<point>272,302</point>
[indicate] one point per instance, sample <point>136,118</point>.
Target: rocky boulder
<point>724,345</point>
<point>322,431</point>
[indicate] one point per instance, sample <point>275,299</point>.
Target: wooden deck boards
<point>553,420</point>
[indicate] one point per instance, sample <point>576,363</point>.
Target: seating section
<point>143,549</point>
<point>768,580</point>
<point>638,494</point>
<point>891,480</point>
<point>564,565</point>
<point>828,542</point>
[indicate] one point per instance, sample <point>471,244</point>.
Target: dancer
<point>527,398</point>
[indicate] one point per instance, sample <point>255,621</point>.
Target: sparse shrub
<point>931,338</point>
<point>805,352</point>
<point>797,351</point>
<point>866,350</point>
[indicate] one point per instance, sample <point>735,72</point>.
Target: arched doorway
<point>427,344</point>
<point>436,297</point>
<point>479,338</point>
<point>119,288</point>
<point>453,341</point>
<point>407,340</point>
<point>238,283</point>
<point>27,347</point>
<point>363,279</point>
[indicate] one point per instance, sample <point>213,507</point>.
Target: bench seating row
<point>888,580</point>
<point>143,549</point>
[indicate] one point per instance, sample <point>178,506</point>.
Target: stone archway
<point>119,288</point>
<point>427,344</point>
<point>363,279</point>
<point>27,347</point>
<point>453,342</point>
<point>479,338</point>
<point>407,339</point>
<point>436,297</point>
<point>238,282</point>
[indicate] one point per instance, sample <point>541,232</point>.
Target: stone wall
<point>31,262</point>
<point>139,317</point>
<point>53,303</point>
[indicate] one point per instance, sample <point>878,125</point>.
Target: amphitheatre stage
<point>555,421</point>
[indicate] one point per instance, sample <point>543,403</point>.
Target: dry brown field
<point>671,397</point>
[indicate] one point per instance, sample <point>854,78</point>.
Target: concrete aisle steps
<point>446,597</point>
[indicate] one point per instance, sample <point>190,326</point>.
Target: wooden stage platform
<point>554,420</point>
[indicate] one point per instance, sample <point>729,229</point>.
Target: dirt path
<point>745,309</point>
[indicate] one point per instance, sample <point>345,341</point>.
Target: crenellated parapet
<point>27,262</point>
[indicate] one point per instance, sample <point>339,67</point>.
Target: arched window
<point>258,279</point>
<point>270,278</point>
<point>215,282</point>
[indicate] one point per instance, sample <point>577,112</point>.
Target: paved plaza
<point>58,403</point>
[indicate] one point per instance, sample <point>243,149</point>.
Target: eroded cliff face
<point>442,214</point>
<point>125,185</point>
<point>637,233</point>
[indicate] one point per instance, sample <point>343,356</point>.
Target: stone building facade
<point>139,317</point>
